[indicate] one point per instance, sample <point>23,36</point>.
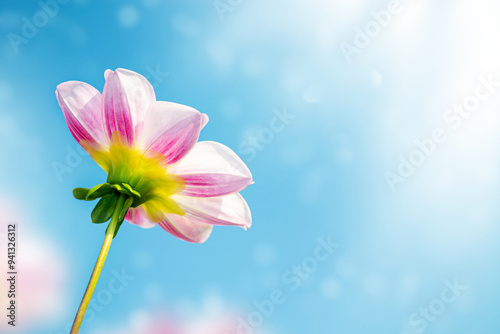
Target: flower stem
<point>99,264</point>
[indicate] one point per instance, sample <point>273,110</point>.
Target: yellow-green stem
<point>98,266</point>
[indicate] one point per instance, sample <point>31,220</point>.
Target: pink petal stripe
<point>213,185</point>
<point>186,229</point>
<point>126,97</point>
<point>138,216</point>
<point>81,106</point>
<point>171,129</point>
<point>224,210</point>
<point>212,169</point>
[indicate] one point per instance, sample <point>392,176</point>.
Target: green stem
<point>98,266</point>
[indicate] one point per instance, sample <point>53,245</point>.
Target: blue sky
<point>389,150</point>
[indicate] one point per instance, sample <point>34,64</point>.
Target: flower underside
<point>157,171</point>
<point>144,171</point>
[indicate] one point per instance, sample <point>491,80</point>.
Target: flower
<point>149,149</point>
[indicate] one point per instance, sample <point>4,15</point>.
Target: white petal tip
<point>107,73</point>
<point>204,120</point>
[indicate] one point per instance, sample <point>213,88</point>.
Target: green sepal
<point>118,187</point>
<point>126,206</point>
<point>80,193</point>
<point>126,189</point>
<point>99,191</point>
<point>104,209</point>
<point>131,191</point>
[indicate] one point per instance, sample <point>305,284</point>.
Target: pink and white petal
<point>126,98</point>
<point>138,216</point>
<point>224,210</point>
<point>81,106</point>
<point>171,129</point>
<point>211,169</point>
<point>185,228</point>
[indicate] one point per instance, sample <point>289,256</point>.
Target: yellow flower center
<point>145,172</point>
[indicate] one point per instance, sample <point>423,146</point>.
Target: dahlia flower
<point>182,185</point>
<point>158,172</point>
